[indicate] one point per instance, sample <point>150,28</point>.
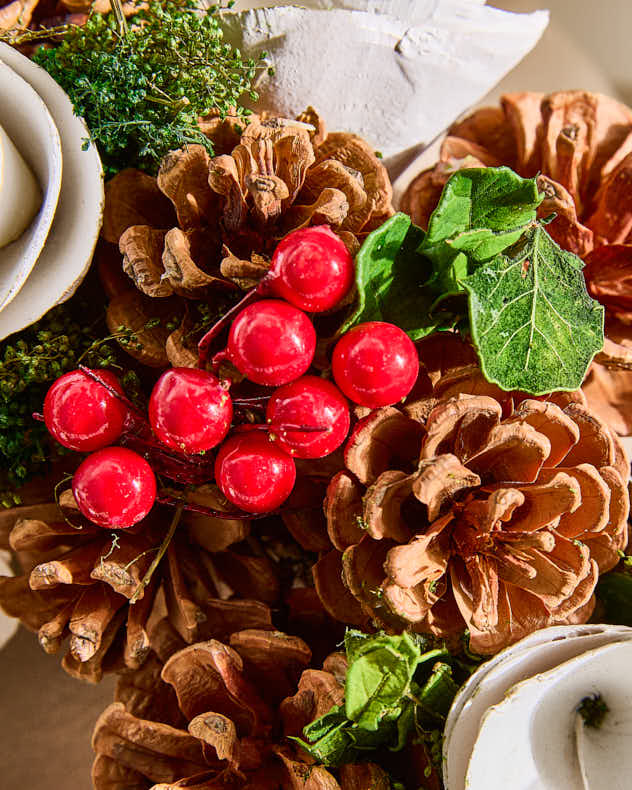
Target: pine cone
<point>578,145</point>
<point>474,508</point>
<point>206,227</point>
<point>233,709</point>
<point>78,580</point>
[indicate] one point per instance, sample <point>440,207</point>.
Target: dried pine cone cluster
<point>205,228</point>
<point>218,715</point>
<point>474,508</point>
<point>579,145</point>
<point>78,580</point>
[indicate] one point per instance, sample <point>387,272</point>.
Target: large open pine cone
<point>474,508</point>
<point>77,582</point>
<point>579,145</point>
<point>206,227</point>
<point>218,714</point>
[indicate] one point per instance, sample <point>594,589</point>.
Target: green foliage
<point>141,91</point>
<point>533,323</point>
<point>487,266</point>
<point>396,687</point>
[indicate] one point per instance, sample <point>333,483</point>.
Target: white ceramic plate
<point>527,742</point>
<point>67,254</point>
<point>27,121</point>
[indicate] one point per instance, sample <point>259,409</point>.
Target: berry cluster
<point>271,342</point>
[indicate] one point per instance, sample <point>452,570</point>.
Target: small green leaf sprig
<point>141,88</point>
<point>397,688</point>
<point>487,266</point>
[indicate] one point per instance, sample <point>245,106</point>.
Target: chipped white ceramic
<point>20,194</point>
<point>28,123</point>
<point>527,741</point>
<point>67,254</point>
<point>414,66</point>
<point>537,653</point>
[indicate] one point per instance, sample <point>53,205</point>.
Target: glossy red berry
<point>311,268</point>
<point>375,364</point>
<point>82,414</point>
<point>271,342</point>
<point>311,402</point>
<point>253,473</point>
<point>190,410</point>
<point>114,487</point>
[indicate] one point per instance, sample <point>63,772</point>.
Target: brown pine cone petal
<point>337,599</point>
<point>545,503</point>
<point>384,438</point>
<point>565,229</point>
<point>333,174</point>
<point>487,128</point>
<point>456,148</point>
<point>183,178</point>
<point>180,252</point>
<point>608,276</point>
<point>133,198</point>
<point>293,157</point>
<point>108,774</point>
<point>209,676</point>
<point>303,777</point>
<point>444,423</point>
<point>330,208</point>
<point>133,310</point>
<point>343,511</point>
<point>141,248</point>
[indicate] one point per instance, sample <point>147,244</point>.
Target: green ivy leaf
<point>533,323</point>
<point>389,276</point>
<point>482,212</point>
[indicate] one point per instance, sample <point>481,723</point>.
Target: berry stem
<point>205,343</point>
<point>133,409</point>
<point>163,499</point>
<point>160,554</point>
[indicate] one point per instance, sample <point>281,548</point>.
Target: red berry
<point>271,342</point>
<point>253,473</point>
<point>114,488</point>
<point>311,402</point>
<point>190,410</point>
<point>311,268</point>
<point>375,364</point>
<point>81,414</point>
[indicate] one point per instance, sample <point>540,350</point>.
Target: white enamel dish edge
<point>68,252</point>
<point>32,130</point>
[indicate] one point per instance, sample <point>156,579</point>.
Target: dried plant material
<point>245,274</point>
<point>178,352</point>
<point>141,248</point>
<point>500,522</point>
<point>78,581</point>
<point>135,312</point>
<point>133,198</point>
<point>183,178</point>
<point>183,273</point>
<point>232,704</point>
<point>579,144</point>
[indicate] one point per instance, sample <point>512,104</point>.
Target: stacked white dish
<point>517,723</point>
<point>46,263</point>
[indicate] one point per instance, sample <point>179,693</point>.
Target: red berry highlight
<point>190,410</point>
<point>253,473</point>
<point>375,364</point>
<point>271,342</point>
<point>81,414</point>
<point>114,488</point>
<point>312,402</point>
<point>311,268</point>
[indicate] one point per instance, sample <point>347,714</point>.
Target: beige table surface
<point>46,717</point>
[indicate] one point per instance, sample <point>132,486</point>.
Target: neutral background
<point>46,717</point>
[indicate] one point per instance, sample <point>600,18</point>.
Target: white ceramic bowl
<point>29,125</point>
<point>67,255</point>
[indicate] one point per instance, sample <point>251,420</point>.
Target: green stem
<point>120,17</point>
<point>161,553</point>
